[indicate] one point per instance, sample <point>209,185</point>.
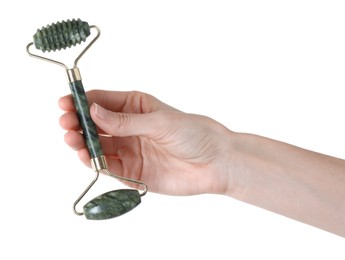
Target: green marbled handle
<point>89,128</point>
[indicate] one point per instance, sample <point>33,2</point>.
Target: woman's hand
<point>171,151</point>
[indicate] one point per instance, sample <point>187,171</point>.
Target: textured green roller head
<point>112,204</point>
<point>61,35</point>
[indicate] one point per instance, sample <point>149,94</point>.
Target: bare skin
<point>184,154</point>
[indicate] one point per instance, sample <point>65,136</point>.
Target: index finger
<point>117,101</point>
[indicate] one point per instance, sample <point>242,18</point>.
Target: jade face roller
<point>59,36</point>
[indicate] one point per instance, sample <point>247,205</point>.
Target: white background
<point>274,68</point>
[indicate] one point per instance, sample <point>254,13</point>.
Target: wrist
<point>230,164</point>
<point>240,163</point>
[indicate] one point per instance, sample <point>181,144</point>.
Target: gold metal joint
<point>73,75</point>
<point>99,163</point>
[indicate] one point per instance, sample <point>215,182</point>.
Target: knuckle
<point>139,102</point>
<point>135,101</point>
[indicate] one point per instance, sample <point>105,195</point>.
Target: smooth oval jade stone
<point>112,204</point>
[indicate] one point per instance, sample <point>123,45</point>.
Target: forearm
<point>291,181</point>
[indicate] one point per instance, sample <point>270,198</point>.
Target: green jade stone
<point>112,204</point>
<point>90,133</point>
<point>61,35</point>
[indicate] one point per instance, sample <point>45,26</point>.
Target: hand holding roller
<point>62,35</point>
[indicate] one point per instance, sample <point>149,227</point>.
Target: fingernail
<point>100,111</point>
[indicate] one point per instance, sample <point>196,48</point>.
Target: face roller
<point>59,36</point>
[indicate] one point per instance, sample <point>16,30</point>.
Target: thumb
<point>122,124</point>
